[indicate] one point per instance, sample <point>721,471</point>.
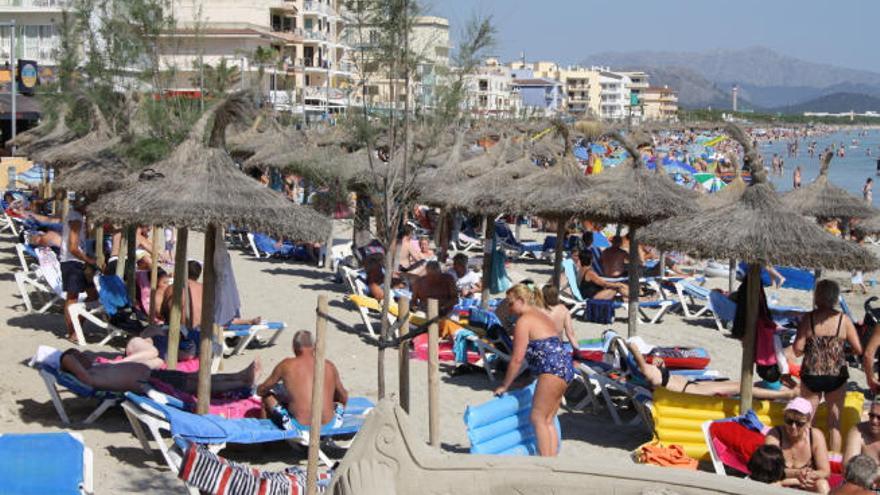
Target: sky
<point>824,31</point>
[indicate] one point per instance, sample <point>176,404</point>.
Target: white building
<point>614,96</point>
<point>37,31</point>
<point>490,91</point>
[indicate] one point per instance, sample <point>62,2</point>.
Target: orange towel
<point>671,456</point>
<point>448,328</point>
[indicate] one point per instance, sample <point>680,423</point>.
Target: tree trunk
<point>386,304</point>
<point>403,357</point>
<point>154,272</point>
<point>131,262</point>
<point>317,396</point>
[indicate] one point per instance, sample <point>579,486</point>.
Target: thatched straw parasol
<point>868,226</point>
<point>99,138</point>
<point>435,186</point>
<point>31,135</point>
<point>59,134</point>
<point>760,230</point>
<point>633,195</point>
<point>273,147</point>
<point>199,186</point>
<point>96,176</point>
<point>728,197</point>
<point>822,199</point>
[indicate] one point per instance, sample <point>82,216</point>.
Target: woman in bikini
<point>536,340</point>
<point>803,447</point>
<point>593,286</point>
<point>821,337</point>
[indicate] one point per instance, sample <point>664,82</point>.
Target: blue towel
<point>113,294</point>
<point>40,463</point>
<point>461,345</point>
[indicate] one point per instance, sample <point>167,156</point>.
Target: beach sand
<point>288,291</point>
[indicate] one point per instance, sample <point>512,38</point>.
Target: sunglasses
<point>872,416</point>
<point>795,422</point>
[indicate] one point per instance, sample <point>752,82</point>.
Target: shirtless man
<point>290,384</point>
<point>865,437</point>
<point>613,259</point>
<point>435,285</point>
<point>141,363</point>
<point>410,259</point>
<point>193,292</point>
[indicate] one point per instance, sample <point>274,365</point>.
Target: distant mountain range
<point>768,81</point>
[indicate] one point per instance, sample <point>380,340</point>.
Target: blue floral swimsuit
<point>549,356</point>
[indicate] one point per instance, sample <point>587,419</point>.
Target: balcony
<point>35,4</point>
<point>311,7</point>
<point>310,35</point>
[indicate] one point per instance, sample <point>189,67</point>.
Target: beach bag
<point>599,311</point>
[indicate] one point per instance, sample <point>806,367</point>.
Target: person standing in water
<point>868,191</point>
<point>796,178</point>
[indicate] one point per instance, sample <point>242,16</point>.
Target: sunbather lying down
<point>134,372</point>
<point>659,376</point>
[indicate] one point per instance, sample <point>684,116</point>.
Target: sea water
<point>848,172</point>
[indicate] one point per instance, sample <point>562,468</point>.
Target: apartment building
<point>638,82</point>
<point>613,99</point>
<point>538,96</point>
<point>36,32</point>
<point>490,91</point>
<point>429,44</point>
<point>310,68</point>
<point>660,104</point>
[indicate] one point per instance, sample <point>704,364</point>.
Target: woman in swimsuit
<point>593,286</point>
<point>806,456</point>
<point>536,340</point>
<point>821,336</point>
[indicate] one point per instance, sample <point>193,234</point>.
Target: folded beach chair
<point>578,305</point>
<point>45,463</point>
<point>160,412</point>
<point>26,252</point>
<point>511,244</point>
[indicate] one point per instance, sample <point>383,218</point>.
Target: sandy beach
<point>288,291</point>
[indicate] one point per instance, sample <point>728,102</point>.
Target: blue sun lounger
<point>166,414</point>
<point>55,379</point>
<point>45,463</point>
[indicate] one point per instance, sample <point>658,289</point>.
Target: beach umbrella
<point>100,137</point>
<point>633,195</point>
<point>759,230</point>
<point>35,175</point>
<point>58,134</point>
<point>98,175</point>
<point>549,193</point>
<point>868,226</point>
<point>199,186</point>
<point>713,185</point>
<point>822,199</point>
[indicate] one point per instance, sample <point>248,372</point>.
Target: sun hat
<point>800,405</point>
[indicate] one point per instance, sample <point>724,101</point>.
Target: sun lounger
<point>466,243</point>
<point>109,286</point>
<point>160,412</point>
<point>45,463</point>
<point>510,243</point>
<point>55,379</point>
<point>247,333</point>
<point>578,305</point>
<point>46,279</point>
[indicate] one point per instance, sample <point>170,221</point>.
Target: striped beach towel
<point>212,474</point>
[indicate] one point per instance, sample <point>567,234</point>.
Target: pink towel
<point>232,409</point>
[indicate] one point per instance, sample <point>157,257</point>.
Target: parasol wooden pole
<point>635,265</point>
<point>487,260</point>
<point>154,273</point>
<point>731,275</point>
<point>131,262</point>
<point>180,281</point>
<point>561,231</point>
<point>99,246</point>
<point>317,396</point>
<point>748,343</point>
<point>206,331</point>
<point>121,255</point>
<point>403,356</point>
<point>433,375</point>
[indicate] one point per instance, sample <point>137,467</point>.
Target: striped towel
<point>212,474</point>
